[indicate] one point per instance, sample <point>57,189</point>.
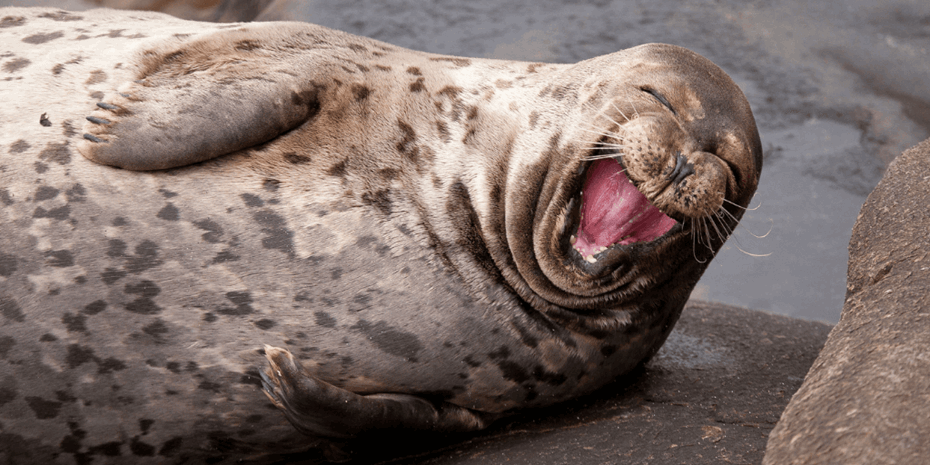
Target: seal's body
<point>423,241</point>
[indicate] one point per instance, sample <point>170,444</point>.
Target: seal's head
<point>652,185</point>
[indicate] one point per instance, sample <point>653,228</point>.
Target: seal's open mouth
<point>613,212</point>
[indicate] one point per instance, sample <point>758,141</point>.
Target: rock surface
<point>710,396</point>
<point>866,400</point>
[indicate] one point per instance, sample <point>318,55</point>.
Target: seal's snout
<point>682,169</point>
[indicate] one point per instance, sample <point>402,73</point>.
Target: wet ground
<point>838,88</point>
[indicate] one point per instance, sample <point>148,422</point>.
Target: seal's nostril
<point>682,170</point>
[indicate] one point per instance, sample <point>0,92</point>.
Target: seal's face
<point>656,181</point>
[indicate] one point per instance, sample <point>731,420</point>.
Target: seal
<point>377,237</point>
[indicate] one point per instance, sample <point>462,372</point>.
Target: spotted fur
<point>394,225</point>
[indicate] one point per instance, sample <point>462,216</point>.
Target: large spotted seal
<point>423,241</point>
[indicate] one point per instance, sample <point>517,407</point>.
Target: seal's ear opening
<point>198,99</point>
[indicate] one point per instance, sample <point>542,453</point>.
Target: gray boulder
<point>866,399</point>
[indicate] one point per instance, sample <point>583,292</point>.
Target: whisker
<point>742,207</point>
<point>601,133</point>
<point>627,118</point>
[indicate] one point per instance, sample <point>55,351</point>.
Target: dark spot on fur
<point>40,167</point>
<point>528,339</point>
<point>67,129</point>
<point>391,340</point>
<point>549,377</point>
<point>116,248</point>
<point>5,197</point>
<point>336,274</point>
<point>388,174</point>
<point>471,361</point>
<point>414,71</point>
<point>79,355</point>
<point>209,317</point>
<point>56,152</point>
<point>76,193</point>
<point>6,343</point>
<point>168,213</point>
<point>119,221</point>
<point>417,86</point>
<point>146,257</point>
<point>323,319</point>
<point>109,365</point>
<point>36,39</point>
<point>173,367</point>
<point>43,409</point>
<point>11,310</point>
<point>19,146</point>
<point>271,185</point>
<point>59,258</point>
<point>242,301</point>
<point>112,275</point>
<point>61,213</point>
<point>513,371</point>
<point>145,424</point>
<point>406,145</point>
<point>339,169</point>
<point>94,307</point>
<point>141,449</point>
<point>170,446</point>
<point>61,15</point>
<point>460,62</point>
<point>74,323</point>
<point>143,305</point>
<point>277,236</point>
<point>7,265</point>
<point>380,199</point>
<point>265,324</point>
<point>167,194</point>
<point>252,200</point>
<point>443,130</point>
<point>502,353</point>
<point>12,21</point>
<point>8,391</point>
<point>225,256</point>
<point>45,193</point>
<point>534,117</point>
<point>206,385</point>
<point>360,91</point>
<point>57,69</point>
<point>214,231</point>
<point>48,337</point>
<point>295,159</point>
<point>15,64</point>
<point>108,449</point>
<point>157,329</point>
<point>247,45</point>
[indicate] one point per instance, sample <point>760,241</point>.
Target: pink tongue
<point>614,211</point>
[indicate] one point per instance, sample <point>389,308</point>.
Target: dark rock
<point>866,400</point>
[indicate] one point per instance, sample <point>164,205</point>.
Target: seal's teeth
<point>601,249</point>
<point>590,259</point>
<point>573,239</point>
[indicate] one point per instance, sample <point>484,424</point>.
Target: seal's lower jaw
<point>614,213</point>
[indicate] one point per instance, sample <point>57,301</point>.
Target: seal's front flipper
<point>318,408</point>
<point>198,99</point>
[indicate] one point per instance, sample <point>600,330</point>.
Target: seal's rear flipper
<point>318,408</point>
<point>197,99</point>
